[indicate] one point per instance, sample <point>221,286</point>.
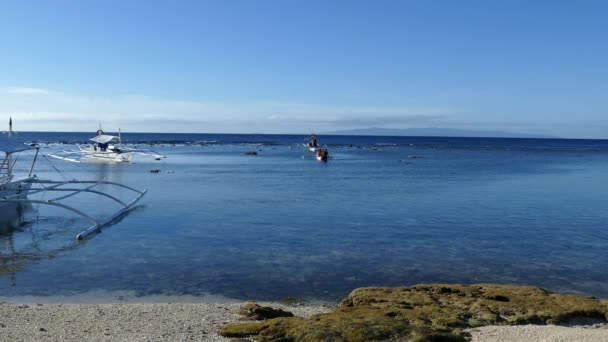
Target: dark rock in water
<point>155,171</point>
<point>252,153</point>
<point>42,329</point>
<point>425,313</point>
<point>415,157</point>
<point>256,312</point>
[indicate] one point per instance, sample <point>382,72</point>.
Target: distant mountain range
<point>435,132</point>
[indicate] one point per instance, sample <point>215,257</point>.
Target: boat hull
<point>106,156</point>
<point>11,213</point>
<point>311,149</point>
<point>109,157</point>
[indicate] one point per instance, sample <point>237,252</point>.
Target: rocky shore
<point>428,313</point>
<point>483,312</point>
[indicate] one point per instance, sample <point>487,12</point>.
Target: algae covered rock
<point>256,312</point>
<point>475,305</point>
<point>425,313</point>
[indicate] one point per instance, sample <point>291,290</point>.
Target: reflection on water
<point>26,244</point>
<point>281,224</point>
<point>11,216</point>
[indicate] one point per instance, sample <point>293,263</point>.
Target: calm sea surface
<point>382,211</point>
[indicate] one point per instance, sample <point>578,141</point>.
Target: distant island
<point>436,132</point>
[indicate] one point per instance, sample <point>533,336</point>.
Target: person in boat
<point>323,154</point>
<point>313,141</point>
<point>102,147</point>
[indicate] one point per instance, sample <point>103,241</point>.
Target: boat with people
<point>17,191</point>
<point>322,154</point>
<point>106,149</point>
<point>312,144</point>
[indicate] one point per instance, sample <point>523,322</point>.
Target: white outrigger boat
<point>312,148</point>
<point>312,144</point>
<point>15,193</point>
<point>102,151</point>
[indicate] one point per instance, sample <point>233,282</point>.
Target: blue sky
<point>295,66</point>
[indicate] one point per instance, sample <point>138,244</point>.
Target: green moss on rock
<point>425,313</point>
<point>256,312</point>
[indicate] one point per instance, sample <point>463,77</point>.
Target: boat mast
<point>9,157</point>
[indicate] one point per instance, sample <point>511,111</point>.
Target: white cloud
<point>26,91</point>
<point>60,111</point>
<point>56,111</point>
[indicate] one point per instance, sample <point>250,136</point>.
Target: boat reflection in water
<point>11,216</point>
<point>23,243</point>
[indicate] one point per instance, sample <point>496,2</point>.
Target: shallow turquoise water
<point>282,224</point>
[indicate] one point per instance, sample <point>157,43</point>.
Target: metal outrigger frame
<point>33,185</point>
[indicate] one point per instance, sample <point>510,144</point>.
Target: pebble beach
<point>125,322</point>
<point>537,333</point>
<point>203,321</point>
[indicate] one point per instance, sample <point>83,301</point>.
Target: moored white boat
<point>112,155</point>
<point>11,212</point>
<point>103,152</point>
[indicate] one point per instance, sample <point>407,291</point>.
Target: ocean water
<point>382,211</point>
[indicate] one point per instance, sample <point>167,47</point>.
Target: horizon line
<point>321,134</point>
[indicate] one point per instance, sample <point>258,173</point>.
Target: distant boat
<point>322,154</point>
<point>311,148</point>
<point>312,144</point>
<point>103,152</point>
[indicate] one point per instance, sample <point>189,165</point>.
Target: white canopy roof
<point>103,139</point>
<point>10,145</point>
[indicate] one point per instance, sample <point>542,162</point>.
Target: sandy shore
<point>202,321</point>
<point>541,333</point>
<point>124,322</point>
